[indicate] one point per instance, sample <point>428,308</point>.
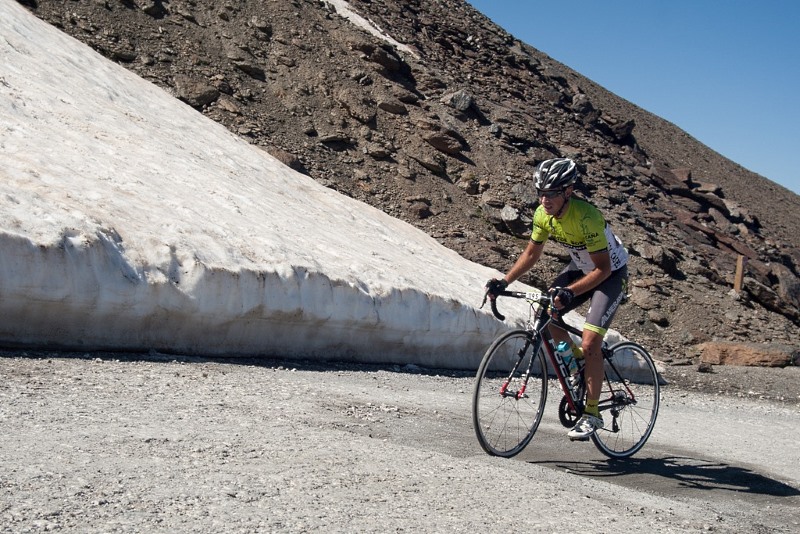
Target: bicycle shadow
<point>687,473</point>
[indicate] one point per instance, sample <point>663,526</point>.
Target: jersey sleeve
<point>593,226</point>
<point>540,231</point>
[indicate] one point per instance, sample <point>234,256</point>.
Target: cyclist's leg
<point>605,300</point>
<point>593,370</point>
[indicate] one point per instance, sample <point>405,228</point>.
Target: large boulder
<point>748,354</point>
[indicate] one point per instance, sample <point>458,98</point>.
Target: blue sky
<point>727,71</point>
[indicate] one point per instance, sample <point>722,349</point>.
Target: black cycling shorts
<point>605,298</point>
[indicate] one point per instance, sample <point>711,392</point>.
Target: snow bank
<point>130,221</point>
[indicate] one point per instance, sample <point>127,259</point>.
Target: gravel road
<point>121,443</point>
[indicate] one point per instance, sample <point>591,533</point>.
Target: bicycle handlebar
<point>493,304</point>
<point>537,296</point>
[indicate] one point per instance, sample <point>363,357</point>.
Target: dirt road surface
<point>116,443</point>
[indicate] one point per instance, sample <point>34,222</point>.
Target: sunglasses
<point>550,194</point>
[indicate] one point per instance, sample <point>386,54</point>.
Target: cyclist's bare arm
<point>526,261</point>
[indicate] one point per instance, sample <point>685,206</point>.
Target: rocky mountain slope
<point>442,125</point>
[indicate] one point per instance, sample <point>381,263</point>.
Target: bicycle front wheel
<point>510,393</point>
<point>629,401</point>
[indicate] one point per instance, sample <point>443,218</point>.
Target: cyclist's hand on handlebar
<point>494,287</point>
<point>562,297</point>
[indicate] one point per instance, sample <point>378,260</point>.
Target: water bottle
<point>565,351</point>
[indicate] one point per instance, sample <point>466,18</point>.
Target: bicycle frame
<point>537,325</point>
<point>541,318</point>
<point>540,325</point>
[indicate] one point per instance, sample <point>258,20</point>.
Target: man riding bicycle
<point>597,272</point>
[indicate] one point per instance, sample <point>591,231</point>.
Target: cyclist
<point>597,272</point>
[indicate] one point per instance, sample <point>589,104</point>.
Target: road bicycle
<point>512,381</point>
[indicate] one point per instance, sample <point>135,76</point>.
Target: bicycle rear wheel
<point>630,396</point>
<point>510,393</point>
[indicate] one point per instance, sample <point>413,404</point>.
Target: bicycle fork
<point>520,393</point>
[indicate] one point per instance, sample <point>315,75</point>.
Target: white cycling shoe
<point>586,426</point>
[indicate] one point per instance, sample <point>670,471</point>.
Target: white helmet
<point>555,174</point>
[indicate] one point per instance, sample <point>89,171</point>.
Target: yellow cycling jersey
<point>583,231</point>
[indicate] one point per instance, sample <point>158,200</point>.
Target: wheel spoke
<point>508,398</point>
<point>632,391</point>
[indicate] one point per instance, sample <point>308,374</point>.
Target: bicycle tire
<point>504,419</point>
<point>631,395</point>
